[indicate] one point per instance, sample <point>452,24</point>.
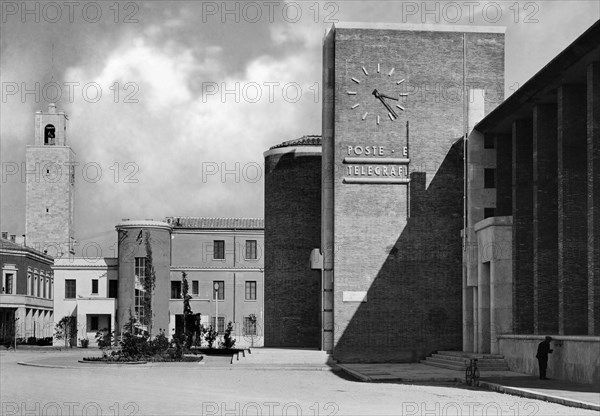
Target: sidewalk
<point>524,385</point>
<point>509,382</point>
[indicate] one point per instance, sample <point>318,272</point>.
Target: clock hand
<point>387,96</point>
<point>380,96</point>
<point>392,112</point>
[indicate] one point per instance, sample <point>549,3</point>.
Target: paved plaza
<point>58,384</point>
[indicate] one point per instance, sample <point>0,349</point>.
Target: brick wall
<point>545,220</point>
<point>410,266</point>
<point>292,230</point>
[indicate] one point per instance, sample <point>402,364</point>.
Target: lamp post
<point>216,286</point>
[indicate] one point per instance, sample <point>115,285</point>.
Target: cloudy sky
<point>173,103</point>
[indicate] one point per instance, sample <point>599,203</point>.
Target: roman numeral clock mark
<point>384,94</point>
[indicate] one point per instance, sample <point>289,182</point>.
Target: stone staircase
<point>458,360</point>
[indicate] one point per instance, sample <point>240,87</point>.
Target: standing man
<point>542,356</point>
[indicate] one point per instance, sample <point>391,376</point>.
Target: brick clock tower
<point>394,118</point>
<point>50,173</point>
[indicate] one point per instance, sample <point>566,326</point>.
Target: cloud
<point>193,143</point>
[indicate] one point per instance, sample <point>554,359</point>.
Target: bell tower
<point>50,181</point>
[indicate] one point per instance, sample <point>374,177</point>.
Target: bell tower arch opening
<point>49,135</point>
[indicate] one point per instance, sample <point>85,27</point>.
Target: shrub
<point>228,340</point>
<point>210,336</point>
<point>84,342</point>
<point>44,341</point>
<point>159,344</point>
<point>133,347</point>
<point>32,341</point>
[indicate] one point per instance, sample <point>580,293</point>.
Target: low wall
<point>575,358</point>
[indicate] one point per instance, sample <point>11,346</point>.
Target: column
<point>483,308</point>
<point>593,178</point>
<point>572,210</point>
<point>545,220</point>
<point>503,175</point>
<point>522,208</point>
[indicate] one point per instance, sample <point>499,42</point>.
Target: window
<point>251,290</point>
<point>44,283</point>
<point>175,290</point>
<point>30,282</point>
<point>221,290</point>
<point>70,288</point>
<point>50,284</point>
<point>8,283</point>
<point>38,284</point>
<point>489,212</point>
<point>113,288</point>
<point>139,291</point>
<point>489,178</point>
<point>251,249</point>
<point>219,250</point>
<point>94,286</point>
<point>489,142</point>
<point>221,327</point>
<point>249,325</point>
<point>139,303</point>
<point>140,267</point>
<point>94,323</point>
<point>195,287</point>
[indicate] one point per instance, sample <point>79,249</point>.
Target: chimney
<point>13,238</point>
<point>5,235</point>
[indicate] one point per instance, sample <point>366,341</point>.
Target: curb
<point>369,379</point>
<point>531,394</point>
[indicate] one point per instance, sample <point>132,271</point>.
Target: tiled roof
<point>10,246</point>
<point>310,140</point>
<point>205,223</point>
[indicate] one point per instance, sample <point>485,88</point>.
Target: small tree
<point>189,320</point>
<point>251,329</point>
<point>210,336</point>
<point>228,340</point>
<point>66,329</point>
<point>104,340</point>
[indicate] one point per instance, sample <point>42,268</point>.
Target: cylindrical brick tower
<point>133,254</point>
<point>292,231</point>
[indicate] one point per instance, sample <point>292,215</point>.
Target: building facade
<point>107,293</point>
<point>532,255</point>
<point>86,289</point>
<point>292,230</point>
<point>394,118</point>
<point>27,292</point>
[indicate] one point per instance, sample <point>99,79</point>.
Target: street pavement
<point>55,382</point>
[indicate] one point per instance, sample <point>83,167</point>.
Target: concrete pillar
<point>522,209</point>
<point>467,314</point>
<point>483,308</point>
<point>503,175</point>
<point>593,178</point>
<point>475,297</point>
<point>545,220</point>
<point>572,208</point>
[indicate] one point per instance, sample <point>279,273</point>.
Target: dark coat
<point>543,350</point>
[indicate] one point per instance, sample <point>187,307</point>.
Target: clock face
<point>377,93</point>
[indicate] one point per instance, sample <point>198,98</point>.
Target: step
<point>480,361</point>
<point>446,365</point>
<point>468,355</point>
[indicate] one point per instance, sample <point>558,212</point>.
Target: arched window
<point>49,132</point>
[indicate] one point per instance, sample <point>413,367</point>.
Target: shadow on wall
<point>414,305</point>
<point>292,230</point>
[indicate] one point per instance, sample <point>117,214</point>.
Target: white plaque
<point>354,296</point>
